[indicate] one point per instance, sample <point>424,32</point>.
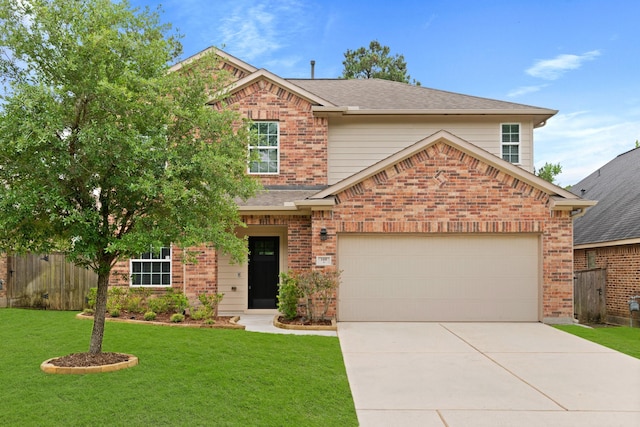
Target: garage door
<point>442,278</point>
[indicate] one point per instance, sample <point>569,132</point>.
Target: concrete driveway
<point>486,374</point>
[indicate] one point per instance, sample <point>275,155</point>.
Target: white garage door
<point>438,278</point>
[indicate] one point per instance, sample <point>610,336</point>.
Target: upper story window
<point>510,142</point>
<point>152,268</point>
<point>267,147</point>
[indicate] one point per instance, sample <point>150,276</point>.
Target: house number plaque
<point>323,260</point>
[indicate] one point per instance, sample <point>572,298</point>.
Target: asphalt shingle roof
<point>377,94</point>
<point>279,196</point>
<point>616,187</point>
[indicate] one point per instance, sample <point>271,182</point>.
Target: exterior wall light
<point>323,234</point>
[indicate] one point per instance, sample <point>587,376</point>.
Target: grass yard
<point>185,376</point>
<point>623,339</point>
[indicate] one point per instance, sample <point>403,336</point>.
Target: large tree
<point>375,62</point>
<point>104,152</point>
<point>549,171</point>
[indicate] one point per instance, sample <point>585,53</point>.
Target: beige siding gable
<point>356,143</point>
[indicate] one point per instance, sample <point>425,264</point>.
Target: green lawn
<point>185,376</point>
<point>623,339</point>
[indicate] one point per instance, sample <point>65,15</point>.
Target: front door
<point>264,268</point>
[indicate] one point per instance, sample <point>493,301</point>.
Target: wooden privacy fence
<point>589,295</point>
<point>48,281</point>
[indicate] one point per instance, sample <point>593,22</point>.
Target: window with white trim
<point>267,147</point>
<point>510,133</point>
<point>152,268</point>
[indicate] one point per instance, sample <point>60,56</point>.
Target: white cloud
<point>583,141</point>
<point>552,69</point>
<point>255,29</point>
<point>524,90</point>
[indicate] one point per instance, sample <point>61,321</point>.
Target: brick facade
<point>623,277</point>
<point>303,137</point>
<point>443,190</point>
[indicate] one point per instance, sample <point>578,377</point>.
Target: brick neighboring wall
<point>303,137</point>
<point>623,276</point>
<point>443,190</point>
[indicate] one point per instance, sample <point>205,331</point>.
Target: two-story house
<point>424,199</point>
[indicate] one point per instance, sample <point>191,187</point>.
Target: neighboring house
<point>608,235</point>
<point>424,199</point>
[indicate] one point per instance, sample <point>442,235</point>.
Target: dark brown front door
<point>264,267</point>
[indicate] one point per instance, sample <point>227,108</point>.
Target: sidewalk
<point>264,323</point>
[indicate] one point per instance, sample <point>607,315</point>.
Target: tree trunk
<point>100,313</point>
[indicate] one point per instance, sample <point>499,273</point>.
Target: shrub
<point>209,308</point>
<point>177,317</point>
<point>134,304</point>
<point>317,286</point>
<point>91,298</point>
<point>178,302</point>
<point>158,305</point>
<point>89,311</point>
<point>116,298</point>
<point>114,312</point>
<point>288,295</point>
<point>149,316</point>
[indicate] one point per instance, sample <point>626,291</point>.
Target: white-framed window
<point>267,147</point>
<point>151,268</point>
<point>510,142</point>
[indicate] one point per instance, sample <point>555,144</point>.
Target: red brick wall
<point>443,190</point>
<point>303,137</point>
<point>623,276</point>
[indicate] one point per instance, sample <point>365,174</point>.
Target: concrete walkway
<point>486,374</point>
<point>264,323</point>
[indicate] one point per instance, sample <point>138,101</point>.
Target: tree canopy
<point>375,62</point>
<point>549,171</point>
<point>104,152</point>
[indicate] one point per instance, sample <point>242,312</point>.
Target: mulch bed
<point>303,321</point>
<point>81,360</point>
<point>220,321</point>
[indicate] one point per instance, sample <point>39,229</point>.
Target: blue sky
<point>579,57</point>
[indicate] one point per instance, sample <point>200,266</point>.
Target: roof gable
<point>616,216</point>
<point>229,59</point>
<point>560,199</point>
<point>263,74</point>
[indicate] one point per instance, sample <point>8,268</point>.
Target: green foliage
<point>288,295</point>
<point>375,62</point>
<point>96,159</point>
<point>134,304</point>
<point>91,298</point>
<point>149,316</point>
<point>208,310</point>
<point>177,301</point>
<point>317,287</point>
<point>158,305</point>
<point>114,312</point>
<point>117,299</point>
<point>549,171</point>
<point>177,317</point>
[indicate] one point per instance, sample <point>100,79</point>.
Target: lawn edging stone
<point>278,324</point>
<point>49,368</point>
<point>233,322</point>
